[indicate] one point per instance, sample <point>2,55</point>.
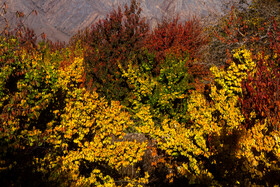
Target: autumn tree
<point>49,120</point>
<point>184,40</point>
<point>114,39</point>
<point>28,96</point>
<point>260,98</point>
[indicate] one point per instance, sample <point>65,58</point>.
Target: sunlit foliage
<point>130,107</point>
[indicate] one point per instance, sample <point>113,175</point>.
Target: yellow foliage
<point>217,118</point>
<point>231,78</point>
<point>222,112</point>
<point>260,148</point>
<point>177,140</point>
<point>90,133</point>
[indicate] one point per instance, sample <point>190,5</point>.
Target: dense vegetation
<point>123,105</point>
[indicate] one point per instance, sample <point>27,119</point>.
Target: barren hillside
<point>60,19</point>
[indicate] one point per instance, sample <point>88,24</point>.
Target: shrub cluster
<point>122,105</point>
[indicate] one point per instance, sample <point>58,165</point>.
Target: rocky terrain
<point>60,19</point>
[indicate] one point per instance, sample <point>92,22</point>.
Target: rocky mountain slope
<point>60,19</point>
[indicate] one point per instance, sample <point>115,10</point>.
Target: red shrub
<point>261,92</point>
<point>181,39</point>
